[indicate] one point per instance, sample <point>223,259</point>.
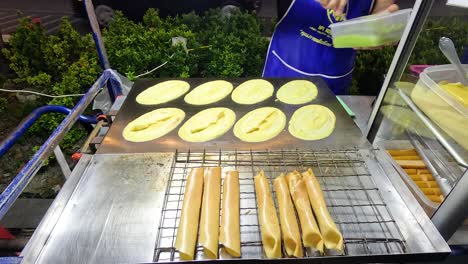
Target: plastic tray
<point>441,107</point>
<point>370,31</point>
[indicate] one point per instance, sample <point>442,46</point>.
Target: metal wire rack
<point>351,195</point>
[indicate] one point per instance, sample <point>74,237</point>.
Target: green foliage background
<point>216,46</point>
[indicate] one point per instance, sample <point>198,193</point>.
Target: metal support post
<point>62,162</point>
<point>454,210</point>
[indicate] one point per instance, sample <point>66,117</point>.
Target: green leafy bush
<point>3,104</point>
<point>216,46</point>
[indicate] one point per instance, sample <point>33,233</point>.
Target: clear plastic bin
<point>370,31</point>
<point>441,107</point>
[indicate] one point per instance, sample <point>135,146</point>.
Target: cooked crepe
<point>312,122</point>
<point>163,92</point>
<point>297,92</point>
<point>311,236</point>
<point>267,218</point>
<point>260,124</point>
<point>229,231</point>
<point>209,220</point>
<point>289,227</point>
<point>208,93</point>
<point>207,124</point>
<point>188,228</point>
<point>153,125</point>
<point>332,237</point>
<point>252,92</point>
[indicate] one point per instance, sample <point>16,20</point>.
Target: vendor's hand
<point>385,6</point>
<point>336,5</point>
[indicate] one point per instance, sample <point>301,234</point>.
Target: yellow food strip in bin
<point>422,177</point>
<point>311,236</point>
<point>431,191</point>
<point>188,224</point>
<point>411,164</point>
<point>423,171</point>
<point>330,233</point>
<point>406,158</point>
<point>289,227</point>
<point>411,171</point>
<point>427,184</point>
<point>209,221</point>
<point>435,198</point>
<point>229,235</point>
<point>269,224</point>
<point>404,152</point>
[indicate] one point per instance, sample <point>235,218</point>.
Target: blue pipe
<point>28,121</point>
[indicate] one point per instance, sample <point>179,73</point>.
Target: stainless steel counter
<point>110,213</point>
<point>109,209</point>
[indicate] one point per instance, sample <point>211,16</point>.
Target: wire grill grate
<point>352,197</point>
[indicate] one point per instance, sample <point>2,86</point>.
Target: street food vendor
<point>301,45</point>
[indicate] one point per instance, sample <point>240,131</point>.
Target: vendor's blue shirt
<point>302,46</point>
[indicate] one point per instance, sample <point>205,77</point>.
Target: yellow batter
<point>153,125</point>
<point>297,92</point>
<point>457,90</point>
<point>207,124</point>
<point>208,93</point>
<point>260,124</point>
<point>252,92</point>
<point>163,92</point>
<point>312,122</point>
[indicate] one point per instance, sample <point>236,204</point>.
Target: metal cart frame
<point>449,215</point>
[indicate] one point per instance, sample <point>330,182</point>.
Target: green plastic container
<point>370,31</point>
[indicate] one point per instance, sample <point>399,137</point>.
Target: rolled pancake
<point>297,92</point>
<point>260,124</point>
<point>311,236</point>
<point>267,218</point>
<point>188,224</point>
<point>252,92</point>
<point>163,92</point>
<point>153,125</point>
<point>209,221</point>
<point>312,122</point>
<point>208,93</point>
<point>331,235</point>
<point>229,235</point>
<point>289,228</point>
<point>207,124</point>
